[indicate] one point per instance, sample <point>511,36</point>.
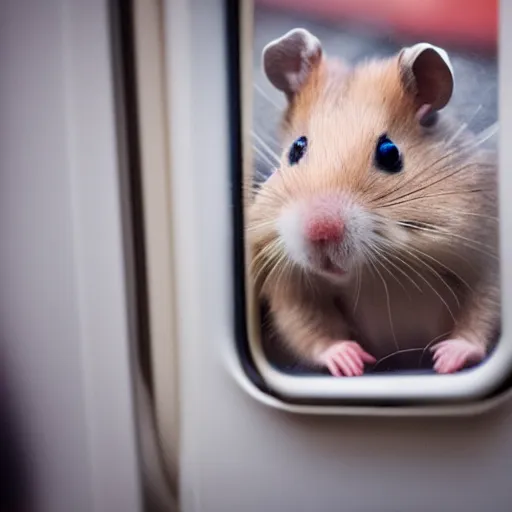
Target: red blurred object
<point>471,23</point>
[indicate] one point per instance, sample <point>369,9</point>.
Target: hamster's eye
<point>387,155</point>
<point>297,150</point>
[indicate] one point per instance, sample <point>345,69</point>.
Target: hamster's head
<point>363,176</point>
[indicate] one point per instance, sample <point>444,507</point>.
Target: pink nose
<point>324,229</point>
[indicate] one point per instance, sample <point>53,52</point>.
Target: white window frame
<point>195,47</point>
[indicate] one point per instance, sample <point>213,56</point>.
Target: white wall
<point>238,454</point>
<point>63,324</point>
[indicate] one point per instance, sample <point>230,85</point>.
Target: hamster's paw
<point>345,358</point>
<point>453,355</point>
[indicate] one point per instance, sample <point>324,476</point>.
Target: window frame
<point>483,382</point>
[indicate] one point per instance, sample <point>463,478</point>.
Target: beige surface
<point>161,455</point>
<point>238,454</point>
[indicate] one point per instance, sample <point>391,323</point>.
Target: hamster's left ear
<point>289,60</point>
<point>426,72</point>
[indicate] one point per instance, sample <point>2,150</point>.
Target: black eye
<point>387,155</point>
<point>297,150</point>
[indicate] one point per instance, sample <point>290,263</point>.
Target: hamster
<point>378,232</point>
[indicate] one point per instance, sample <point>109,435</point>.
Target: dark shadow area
<point>15,485</point>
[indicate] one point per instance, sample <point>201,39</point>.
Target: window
<point>371,210</point>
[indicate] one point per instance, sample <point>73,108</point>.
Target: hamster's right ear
<point>289,60</point>
<point>427,73</point>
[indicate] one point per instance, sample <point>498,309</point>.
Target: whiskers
<point>463,126</point>
<point>266,261</point>
<point>265,96</point>
<point>455,168</point>
<point>264,144</point>
<point>443,273</point>
<point>412,350</point>
<point>433,230</point>
<point>420,269</point>
<point>394,354</point>
<point>359,281</point>
<point>372,259</point>
<point>264,150</point>
<point>270,264</point>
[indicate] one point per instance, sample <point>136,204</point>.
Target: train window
<point>371,212</point>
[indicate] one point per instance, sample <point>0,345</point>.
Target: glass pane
<point>373,226</point>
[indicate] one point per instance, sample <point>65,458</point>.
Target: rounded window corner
<point>408,391</point>
<point>265,388</point>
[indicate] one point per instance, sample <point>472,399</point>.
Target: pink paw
<point>345,358</point>
<point>452,355</point>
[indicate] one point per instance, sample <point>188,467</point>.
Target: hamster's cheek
<point>360,231</point>
<point>289,225</point>
<point>397,236</point>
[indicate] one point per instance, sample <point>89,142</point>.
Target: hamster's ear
<point>288,60</point>
<point>427,72</point>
